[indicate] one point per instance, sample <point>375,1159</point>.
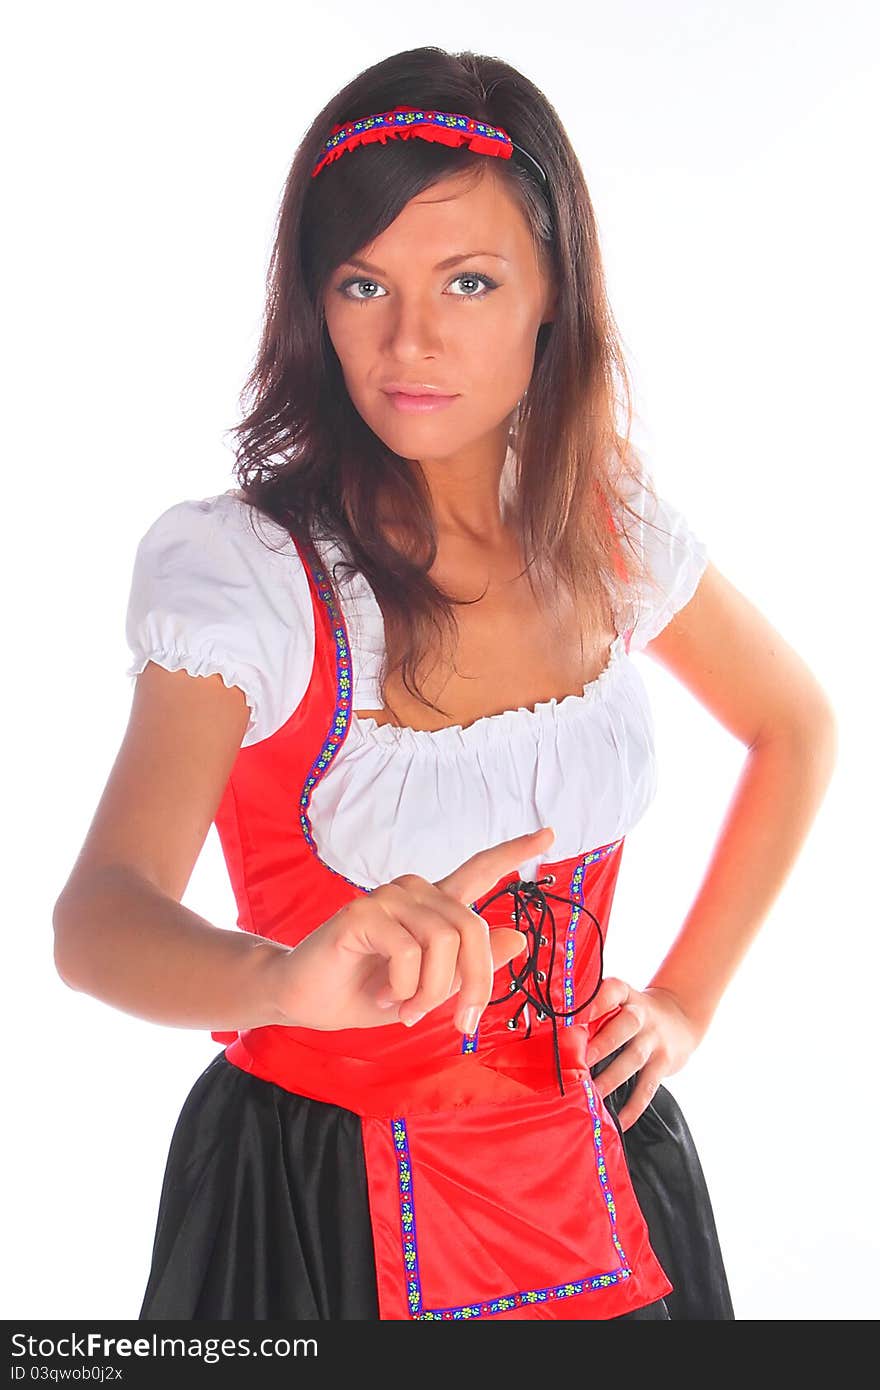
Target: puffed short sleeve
<point>675,555</point>
<point>215,592</point>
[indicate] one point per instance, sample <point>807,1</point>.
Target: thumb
<point>506,942</point>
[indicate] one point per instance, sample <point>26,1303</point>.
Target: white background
<point>730,154</point>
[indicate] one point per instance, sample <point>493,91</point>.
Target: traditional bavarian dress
<point>415,1173</point>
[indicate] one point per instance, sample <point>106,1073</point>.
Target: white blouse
<point>218,588</point>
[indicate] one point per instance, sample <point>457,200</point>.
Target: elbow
<point>807,713</point>
<point>831,743</point>
<point>832,732</point>
<point>824,730</point>
<point>63,945</point>
<point>810,733</point>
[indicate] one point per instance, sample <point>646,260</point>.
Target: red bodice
<point>497,1180</point>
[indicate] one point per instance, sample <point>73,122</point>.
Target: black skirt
<point>264,1213</point>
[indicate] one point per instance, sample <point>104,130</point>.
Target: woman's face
<point>451,295</point>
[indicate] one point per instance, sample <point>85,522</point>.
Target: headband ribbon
<point>446,127</point>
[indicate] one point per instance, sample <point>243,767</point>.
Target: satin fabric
<point>516,1211</point>
<point>461,1134</point>
<point>670,1185</point>
<point>493,1193</point>
<point>264,1211</point>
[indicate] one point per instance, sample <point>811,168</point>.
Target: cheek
<point>353,352</point>
<point>358,352</point>
<point>510,337</point>
<point>491,355</point>
<point>506,361</point>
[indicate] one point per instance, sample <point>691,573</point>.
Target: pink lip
<point>418,404</point>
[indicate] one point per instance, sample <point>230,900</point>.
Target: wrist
<point>696,1009</point>
<point>274,983</point>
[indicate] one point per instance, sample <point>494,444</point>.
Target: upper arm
<point>167,780</point>
<point>732,659</point>
<point>221,629</point>
<point>691,619</point>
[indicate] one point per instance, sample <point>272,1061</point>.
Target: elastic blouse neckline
<point>500,724</point>
<point>492,727</point>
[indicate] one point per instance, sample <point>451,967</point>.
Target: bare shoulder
<point>737,664</point>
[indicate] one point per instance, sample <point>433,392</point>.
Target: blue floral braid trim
<point>446,127</point>
<point>515,1299</point>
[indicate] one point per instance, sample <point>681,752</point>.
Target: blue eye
<point>475,275</point>
<point>485,280</point>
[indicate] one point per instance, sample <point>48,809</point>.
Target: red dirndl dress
<point>417,1173</point>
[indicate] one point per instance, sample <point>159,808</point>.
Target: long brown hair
<point>304,455</point>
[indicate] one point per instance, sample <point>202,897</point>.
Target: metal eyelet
<point>513,1024</point>
<point>540,1015</point>
<point>512,987</point>
<point>549,878</point>
<point>541,975</point>
<point>545,941</point>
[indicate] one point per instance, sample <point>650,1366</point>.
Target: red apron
<point>496,1176</point>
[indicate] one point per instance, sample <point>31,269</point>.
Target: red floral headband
<point>447,127</point>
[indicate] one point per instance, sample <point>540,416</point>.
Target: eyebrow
<point>441,265</point>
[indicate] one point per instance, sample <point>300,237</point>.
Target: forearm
<point>122,940</point>
<point>775,801</point>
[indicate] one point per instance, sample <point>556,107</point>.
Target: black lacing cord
<point>527,893</point>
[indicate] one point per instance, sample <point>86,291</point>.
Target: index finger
<point>483,870</point>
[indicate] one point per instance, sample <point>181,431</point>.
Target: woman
<point>431,1103</point>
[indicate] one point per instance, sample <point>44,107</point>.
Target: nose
<point>413,330</point>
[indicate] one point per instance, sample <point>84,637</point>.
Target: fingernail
<point>470,1018</point>
<point>415,1018</point>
